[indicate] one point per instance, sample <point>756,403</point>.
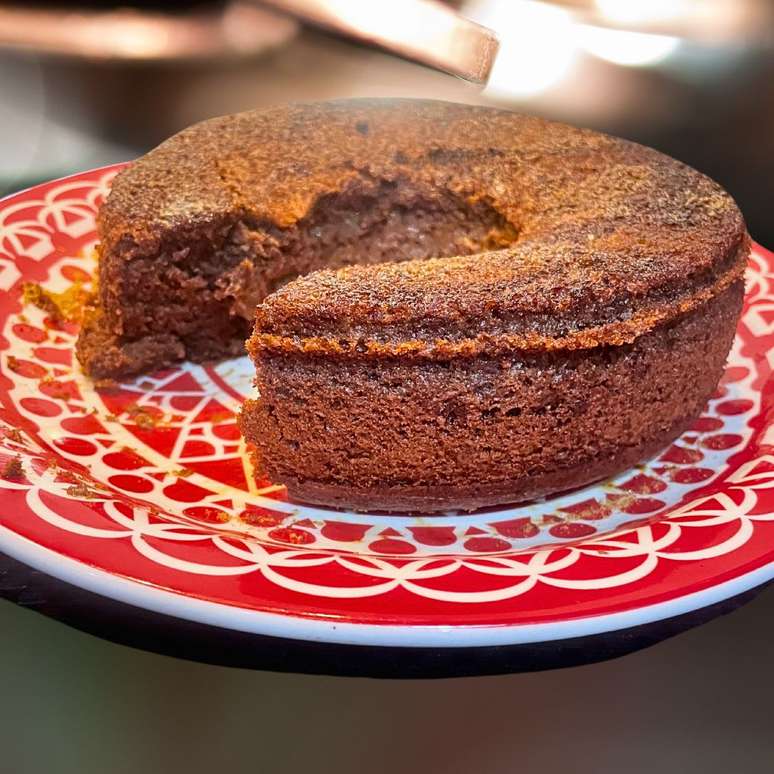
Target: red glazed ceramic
<point>142,492</point>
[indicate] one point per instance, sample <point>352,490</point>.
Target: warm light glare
<point>627,48</point>
<point>537,46</point>
<point>139,38</point>
<point>633,12</point>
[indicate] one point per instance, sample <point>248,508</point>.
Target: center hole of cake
<point>399,221</point>
<point>371,221</point>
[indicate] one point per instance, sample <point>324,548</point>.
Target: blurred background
<point>89,83</point>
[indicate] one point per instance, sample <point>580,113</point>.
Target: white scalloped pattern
<point>159,462</point>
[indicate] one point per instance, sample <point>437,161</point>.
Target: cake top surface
<point>607,231</point>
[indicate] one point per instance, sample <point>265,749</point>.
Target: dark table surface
<point>75,703</point>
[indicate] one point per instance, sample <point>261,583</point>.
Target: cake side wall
<point>388,434</point>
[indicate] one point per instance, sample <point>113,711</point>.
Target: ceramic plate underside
<point>144,487</point>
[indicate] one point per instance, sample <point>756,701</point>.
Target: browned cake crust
<point>474,432</point>
<point>556,304</point>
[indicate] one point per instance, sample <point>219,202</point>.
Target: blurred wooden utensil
<point>424,31</point>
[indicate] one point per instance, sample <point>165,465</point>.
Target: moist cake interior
<point>208,293</point>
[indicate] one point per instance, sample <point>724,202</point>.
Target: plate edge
<point>257,622</point>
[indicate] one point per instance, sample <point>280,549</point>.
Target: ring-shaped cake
<point>457,306</point>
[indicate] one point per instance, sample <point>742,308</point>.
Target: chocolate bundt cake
<point>533,306</point>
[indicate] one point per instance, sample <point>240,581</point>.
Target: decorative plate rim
<point>738,506</point>
<point>269,624</point>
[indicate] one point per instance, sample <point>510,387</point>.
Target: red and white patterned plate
<point>141,492</point>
